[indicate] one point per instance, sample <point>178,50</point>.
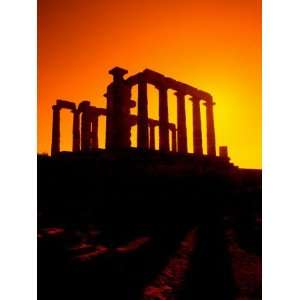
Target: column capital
<point>118,72</point>
<point>141,79</point>
<point>83,105</point>
<point>172,126</point>
<point>209,103</point>
<point>160,86</point>
<point>179,93</point>
<point>195,99</point>
<point>152,122</point>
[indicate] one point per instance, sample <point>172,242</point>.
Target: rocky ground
<point>85,247</point>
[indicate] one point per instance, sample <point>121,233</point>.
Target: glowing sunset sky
<point>214,45</point>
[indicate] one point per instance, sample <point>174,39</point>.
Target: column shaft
<point>76,132</point>
<point>211,140</point>
<point>55,146</point>
<point>197,132</point>
<point>94,134</point>
<point>174,140</point>
<point>181,123</point>
<point>163,120</point>
<point>142,120</point>
<point>152,137</point>
<point>85,131</point>
<point>118,111</point>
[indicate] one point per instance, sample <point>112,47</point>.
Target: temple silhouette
<point>149,199</point>
<point>119,121</point>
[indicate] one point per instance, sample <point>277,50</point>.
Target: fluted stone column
<point>211,139</point>
<point>181,123</point>
<point>197,131</point>
<point>55,146</point>
<point>94,133</point>
<point>142,120</point>
<point>152,136</point>
<point>76,131</point>
<point>163,119</point>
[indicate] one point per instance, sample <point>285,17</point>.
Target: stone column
<point>118,111</point>
<point>85,131</point>
<point>55,146</point>
<point>94,133</point>
<point>181,123</point>
<point>108,121</point>
<point>152,136</point>
<point>76,131</point>
<point>173,130</point>
<point>142,119</point>
<point>197,132</point>
<point>163,119</point>
<point>211,140</point>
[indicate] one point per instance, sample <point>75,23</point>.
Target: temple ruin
<point>119,121</point>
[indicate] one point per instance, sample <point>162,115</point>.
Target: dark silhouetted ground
<point>147,226</point>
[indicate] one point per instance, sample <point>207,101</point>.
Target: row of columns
<point>118,121</point>
<point>152,124</point>
<point>84,130</point>
<point>142,129</point>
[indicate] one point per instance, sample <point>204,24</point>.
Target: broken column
<point>223,152</point>
<point>55,146</point>
<point>181,123</point>
<point>197,131</point>
<point>142,119</point>
<point>163,119</point>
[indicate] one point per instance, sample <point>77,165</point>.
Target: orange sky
<point>214,45</point>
